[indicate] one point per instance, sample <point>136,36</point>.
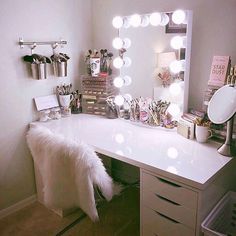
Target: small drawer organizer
<point>95,91</point>
<point>167,207</point>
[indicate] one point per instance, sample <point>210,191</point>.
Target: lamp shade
<point>165,58</point>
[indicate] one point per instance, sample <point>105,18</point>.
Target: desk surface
<point>160,151</point>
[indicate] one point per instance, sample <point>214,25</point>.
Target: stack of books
<point>221,73</point>
<point>218,77</point>
<point>194,115</point>
<point>209,92</point>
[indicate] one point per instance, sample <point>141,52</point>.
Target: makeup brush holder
<point>60,68</point>
<point>65,100</point>
<point>39,71</point>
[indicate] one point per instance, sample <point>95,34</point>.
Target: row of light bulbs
<point>155,19</point>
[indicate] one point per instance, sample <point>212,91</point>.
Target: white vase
<point>65,100</point>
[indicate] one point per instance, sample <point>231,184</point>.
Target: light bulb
<point>155,18</point>
<point>145,21</point>
<point>127,80</point>
<point>174,110</point>
<point>127,97</point>
<point>118,82</point>
<point>117,22</point>
<point>164,19</point>
<point>178,17</point>
<point>175,66</point>
<point>176,42</point>
<point>117,43</point>
<point>135,20</point>
<point>126,43</point>
<point>119,100</point>
<point>175,89</point>
<point>118,62</point>
<point>127,61</point>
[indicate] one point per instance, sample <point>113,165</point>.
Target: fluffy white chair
<point>69,171</point>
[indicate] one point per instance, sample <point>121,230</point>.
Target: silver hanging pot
<point>39,71</point>
<point>60,68</point>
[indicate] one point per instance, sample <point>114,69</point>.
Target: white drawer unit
<point>170,190</point>
<point>168,208</point>
<point>161,225</point>
<point>175,211</point>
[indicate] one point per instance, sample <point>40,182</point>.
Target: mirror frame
<point>187,54</point>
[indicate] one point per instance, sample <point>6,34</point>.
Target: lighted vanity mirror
<point>157,57</point>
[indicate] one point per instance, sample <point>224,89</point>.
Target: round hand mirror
<point>221,109</point>
<point>222,105</point>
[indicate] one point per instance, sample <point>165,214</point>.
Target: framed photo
<point>172,28</point>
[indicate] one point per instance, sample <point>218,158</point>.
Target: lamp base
<point>227,150</point>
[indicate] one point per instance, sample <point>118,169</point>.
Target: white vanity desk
<point>181,180</point>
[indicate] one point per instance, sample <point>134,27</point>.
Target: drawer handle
<point>168,182</point>
<point>167,200</point>
<point>167,218</point>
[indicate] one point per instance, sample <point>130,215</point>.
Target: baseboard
<point>19,205</point>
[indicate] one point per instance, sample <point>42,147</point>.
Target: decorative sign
<point>46,102</point>
<point>219,69</point>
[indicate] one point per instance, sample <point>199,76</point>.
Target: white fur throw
<point>69,171</point>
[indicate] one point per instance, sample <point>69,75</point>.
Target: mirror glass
<point>151,54</point>
<point>222,105</point>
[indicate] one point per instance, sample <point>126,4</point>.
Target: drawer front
<point>160,225</point>
<point>147,232</point>
<point>170,190</point>
<point>169,208</point>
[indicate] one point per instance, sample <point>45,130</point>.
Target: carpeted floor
<point>118,217</point>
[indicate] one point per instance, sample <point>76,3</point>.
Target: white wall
<point>34,20</point>
<point>213,31</point>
